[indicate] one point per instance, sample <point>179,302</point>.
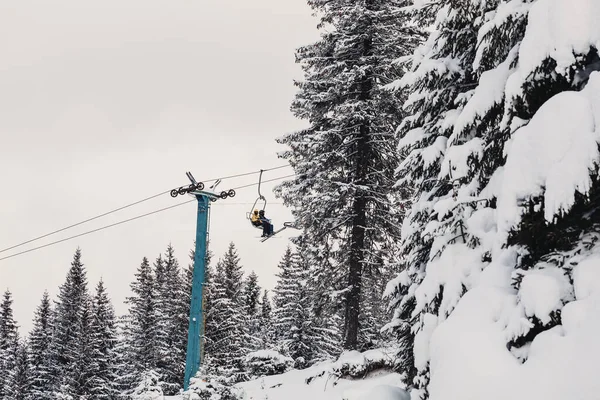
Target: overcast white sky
<point>105,102</point>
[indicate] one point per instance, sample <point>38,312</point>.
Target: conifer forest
<point>442,243</point>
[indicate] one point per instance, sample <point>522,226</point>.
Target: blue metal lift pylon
<point>195,345</point>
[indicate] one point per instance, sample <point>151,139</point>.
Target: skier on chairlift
<point>255,218</point>
<point>266,224</point>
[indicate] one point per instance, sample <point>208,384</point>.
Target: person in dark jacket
<point>266,223</point>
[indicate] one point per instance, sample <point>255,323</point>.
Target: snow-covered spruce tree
<point>251,296</point>
<point>375,310</point>
<point>84,365</point>
<point>170,308</point>
<point>140,326</point>
<point>251,302</point>
<point>149,388</point>
<point>103,383</point>
<point>343,196</point>
<point>19,378</point>
<point>18,381</point>
<point>69,345</point>
<point>227,336</point>
<point>9,342</point>
<point>324,309</point>
<point>267,333</point>
<point>291,318</point>
<point>233,274</point>
<point>547,207</point>
<point>439,82</point>
<point>128,376</point>
<point>507,209</point>
<point>39,346</point>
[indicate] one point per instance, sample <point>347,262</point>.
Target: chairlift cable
<point>131,205</point>
<point>123,221</point>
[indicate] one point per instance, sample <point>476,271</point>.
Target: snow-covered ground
<point>325,385</point>
<point>322,382</point>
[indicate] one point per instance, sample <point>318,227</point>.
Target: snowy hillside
<point>324,382</point>
<point>354,376</point>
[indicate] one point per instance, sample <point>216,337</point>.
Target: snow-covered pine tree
<point>325,313</point>
<point>103,383</point>
<point>71,332</point>
<point>251,296</point>
<point>127,373</point>
<point>233,274</point>
<point>506,209</point>
<point>251,303</point>
<point>9,342</point>
<point>140,326</point>
<point>227,336</point>
<point>343,196</point>
<point>161,320</point>
<point>39,346</point>
<point>291,318</point>
<point>170,308</point>
<point>84,365</point>
<point>440,81</point>
<point>545,216</point>
<point>375,310</point>
<point>267,333</point>
<point>19,378</point>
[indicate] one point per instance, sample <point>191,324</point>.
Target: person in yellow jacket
<point>255,218</point>
<point>258,219</point>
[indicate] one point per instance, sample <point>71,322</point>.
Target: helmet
<point>261,212</point>
<point>255,211</point>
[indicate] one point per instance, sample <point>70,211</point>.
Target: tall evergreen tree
<point>84,365</point>
<point>251,294</point>
<point>69,348</point>
<point>170,308</point>
<point>267,332</point>
<point>9,342</point>
<point>374,309</point>
<point>140,326</point>
<point>103,384</point>
<point>291,318</point>
<point>343,196</point>
<point>128,375</point>
<point>39,350</point>
<point>233,274</point>
<point>439,79</point>
<point>480,81</point>
<point>227,336</point>
<point>19,382</point>
<point>251,303</point>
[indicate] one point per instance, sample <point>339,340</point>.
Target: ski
<point>273,234</point>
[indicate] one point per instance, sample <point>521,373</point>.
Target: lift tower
<point>195,345</point>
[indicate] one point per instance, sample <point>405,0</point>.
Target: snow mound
<point>469,357</point>
<point>327,381</point>
<point>586,277</point>
<point>542,291</point>
<point>553,154</point>
<point>386,392</point>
